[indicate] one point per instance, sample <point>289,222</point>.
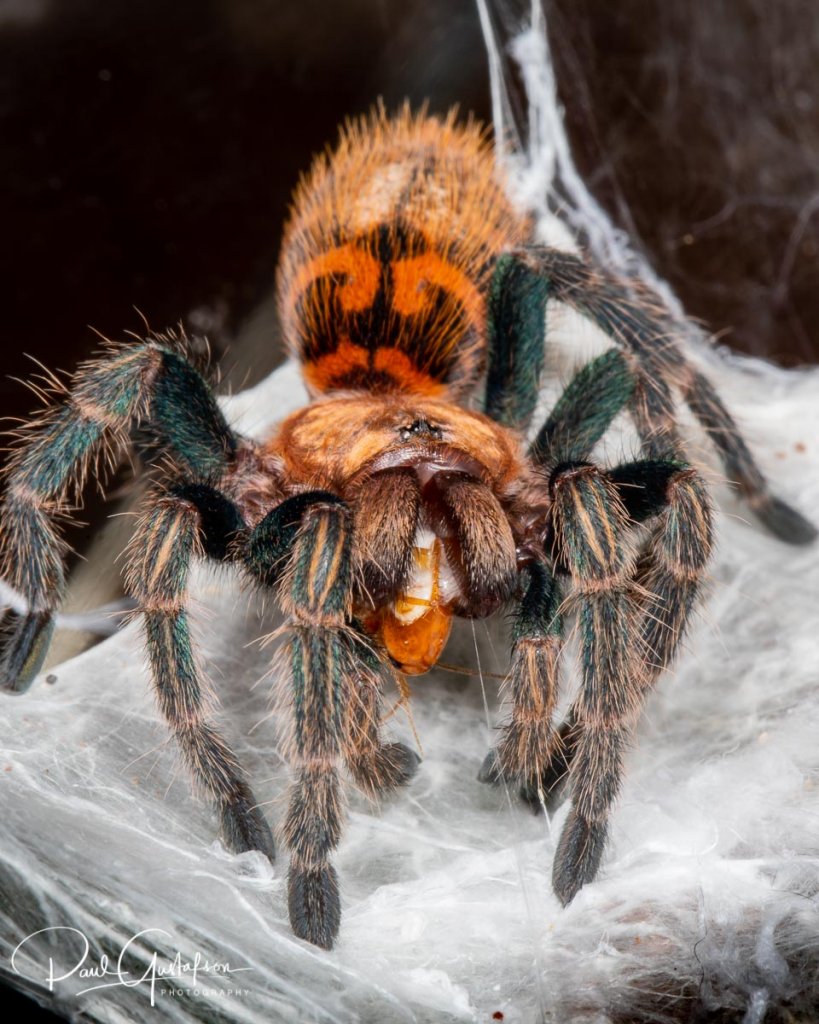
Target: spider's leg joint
<point>220,521</point>
<point>271,543</point>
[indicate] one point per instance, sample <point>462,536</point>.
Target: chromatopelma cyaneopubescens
<point>411,293</point>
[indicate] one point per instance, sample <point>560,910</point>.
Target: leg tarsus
<point>552,783</point>
<point>313,903</point>
<point>784,521</point>
<point>245,827</point>
<point>578,855</point>
<point>397,765</point>
<point>548,789</point>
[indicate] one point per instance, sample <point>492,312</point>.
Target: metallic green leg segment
<point>517,338</point>
<point>585,410</point>
<point>319,598</point>
<point>529,742</point>
<point>166,540</point>
<point>141,385</point>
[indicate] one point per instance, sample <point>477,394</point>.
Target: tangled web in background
<point>708,894</point>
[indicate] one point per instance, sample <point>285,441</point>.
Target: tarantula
<point>388,505</point>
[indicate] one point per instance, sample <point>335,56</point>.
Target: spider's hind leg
<point>638,323</point>
<point>781,519</point>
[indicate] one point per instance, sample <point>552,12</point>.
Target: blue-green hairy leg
<point>634,318</point>
<point>516,318</point>
<point>168,537</point>
<point>671,498</point>
<point>146,385</point>
<point>584,411</point>
<point>529,742</point>
<point>666,493</point>
<point>317,595</point>
<point>590,525</point>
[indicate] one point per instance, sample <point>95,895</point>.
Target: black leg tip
<point>578,856</point>
<point>245,828</point>
<point>552,782</point>
<point>391,766</point>
<point>786,523</point>
<point>314,904</point>
<point>489,771</point>
<point>27,639</point>
<point>396,765</point>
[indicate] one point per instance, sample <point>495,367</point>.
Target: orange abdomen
<point>388,254</point>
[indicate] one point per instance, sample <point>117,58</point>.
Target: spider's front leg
<point>139,384</point>
<point>195,520</point>
<point>589,521</point>
<point>319,600</point>
<point>631,619</point>
<point>304,549</point>
<point>530,747</point>
<point>531,751</point>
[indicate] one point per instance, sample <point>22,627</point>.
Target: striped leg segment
<point>305,547</point>
<point>376,767</point>
<point>323,650</point>
<point>143,384</point>
<point>672,567</point>
<point>167,538</point>
<point>589,524</point>
<point>267,553</point>
<point>529,743</point>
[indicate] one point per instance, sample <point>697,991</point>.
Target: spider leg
<point>672,497</point>
<point>141,384</point>
<point>306,544</point>
<point>531,750</point>
<point>785,522</point>
<point>665,492</point>
<point>529,744</point>
<point>634,319</point>
<point>194,520</point>
<point>584,411</point>
<point>589,521</point>
<point>375,766</point>
<point>322,663</point>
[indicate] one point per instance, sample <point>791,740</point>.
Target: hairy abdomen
<point>388,253</point>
